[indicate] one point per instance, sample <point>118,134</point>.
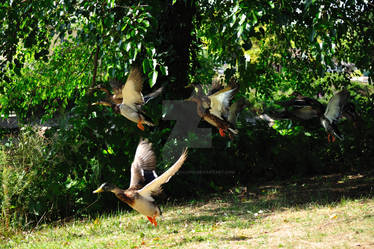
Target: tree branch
<point>96,58</point>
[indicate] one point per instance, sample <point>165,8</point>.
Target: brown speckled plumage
<point>139,194</point>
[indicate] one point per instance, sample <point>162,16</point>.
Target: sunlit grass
<point>274,217</point>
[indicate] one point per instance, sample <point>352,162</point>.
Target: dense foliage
<point>53,53</point>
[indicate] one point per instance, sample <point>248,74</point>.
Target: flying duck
<point>214,108</point>
<point>338,107</point>
<point>305,108</point>
<point>128,99</point>
<point>300,108</point>
<point>144,183</point>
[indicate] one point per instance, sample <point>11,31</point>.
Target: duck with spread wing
<point>214,107</point>
<point>144,183</point>
<point>128,99</point>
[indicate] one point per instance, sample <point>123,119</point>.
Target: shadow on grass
<point>324,189</point>
<point>243,204</point>
<point>243,207</point>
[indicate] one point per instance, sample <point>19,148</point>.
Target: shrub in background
<point>25,173</point>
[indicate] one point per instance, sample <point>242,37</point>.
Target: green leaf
<point>154,64</point>
<point>128,47</point>
<point>110,150</point>
<point>235,9</point>
<point>152,81</point>
<point>146,23</point>
<point>240,31</point>
<point>242,19</point>
<point>254,17</point>
<point>164,70</point>
<point>111,3</point>
<point>147,66</point>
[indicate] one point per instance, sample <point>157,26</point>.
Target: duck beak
<point>99,190</point>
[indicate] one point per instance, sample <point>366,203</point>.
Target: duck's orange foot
<point>140,125</point>
<point>330,138</point>
<point>221,132</point>
<point>152,220</point>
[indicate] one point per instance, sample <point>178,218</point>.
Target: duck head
<point>116,108</point>
<point>105,187</point>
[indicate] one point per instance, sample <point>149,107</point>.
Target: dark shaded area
<point>175,27</point>
<point>276,195</point>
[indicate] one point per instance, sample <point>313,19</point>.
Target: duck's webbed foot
<point>140,125</point>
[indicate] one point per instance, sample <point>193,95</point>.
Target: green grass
<point>333,211</point>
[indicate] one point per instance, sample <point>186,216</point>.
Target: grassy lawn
<point>331,211</point>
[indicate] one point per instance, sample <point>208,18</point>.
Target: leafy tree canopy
<point>54,51</point>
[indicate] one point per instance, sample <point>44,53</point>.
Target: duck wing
<point>335,106</point>
<point>153,95</point>
<point>104,103</point>
<point>305,113</point>
<point>132,90</point>
<point>154,187</point>
<point>215,86</point>
<point>220,101</point>
<point>302,107</point>
<point>301,101</point>
<point>144,165</point>
<point>236,108</point>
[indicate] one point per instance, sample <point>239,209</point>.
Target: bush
<point>23,179</point>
